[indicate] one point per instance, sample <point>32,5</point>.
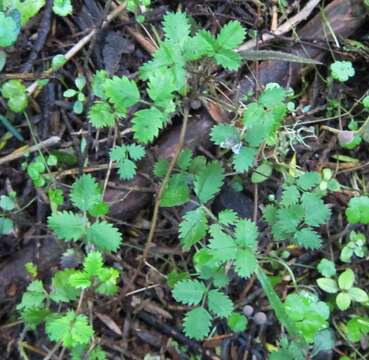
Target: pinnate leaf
<point>193,228</point>
<point>67,225</point>
<point>177,191</point>
<point>101,115</point>
<point>231,35</point>
<point>189,292</point>
<point>122,92</point>
<point>85,193</point>
<point>308,238</point>
<point>244,159</point>
<point>147,123</point>
<point>197,323</point>
<point>245,263</point>
<point>105,236</point>
<point>316,212</point>
<point>70,329</point>
<point>209,181</point>
<point>219,303</point>
<point>176,28</point>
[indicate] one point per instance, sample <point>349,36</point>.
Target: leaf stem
<point>165,181</point>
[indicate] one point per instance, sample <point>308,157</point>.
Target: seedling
<point>357,211</point>
<point>342,70</point>
<point>74,226</point>
<point>261,121</point>
<point>80,83</point>
<point>126,156</point>
<point>356,246</point>
<point>37,170</point>
<point>299,211</point>
<point>346,292</point>
<point>7,204</point>
<point>309,314</point>
<point>15,93</point>
<point>71,328</point>
<point>356,328</point>
<point>327,268</point>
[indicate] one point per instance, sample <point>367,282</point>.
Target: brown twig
<point>163,186</point>
<point>84,41</point>
<point>28,149</point>
<point>285,27</point>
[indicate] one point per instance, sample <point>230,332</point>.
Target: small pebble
<point>248,310</point>
<point>260,318</point>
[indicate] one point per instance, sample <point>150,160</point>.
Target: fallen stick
<point>81,43</point>
<point>29,149</point>
<point>344,18</point>
<point>284,28</point>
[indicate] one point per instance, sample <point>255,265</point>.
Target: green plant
<point>357,211</point>
<point>125,156</point>
<point>356,246</point>
<point>166,75</point>
<point>309,314</point>
<point>356,328</point>
<point>299,211</point>
<point>342,70</point>
<point>16,13</point>
<point>8,30</point>
<point>15,93</point>
<point>287,351</point>
<point>261,121</point>
<point>138,7</point>
<point>80,83</point>
<point>197,322</point>
<point>67,326</point>
<point>346,292</point>
<point>73,226</point>
<point>7,204</point>
<point>115,95</point>
<point>37,170</point>
<point>62,7</point>
<point>327,268</point>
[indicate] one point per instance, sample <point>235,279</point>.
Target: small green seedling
<point>342,70</point>
<point>288,350</point>
<point>71,328</point>
<point>356,328</point>
<point>9,30</point>
<point>37,170</point>
<point>328,183</point>
<point>62,7</point>
<point>73,226</point>
<point>327,268</point>
<point>356,246</point>
<point>7,204</point>
<point>346,292</point>
<point>126,156</point>
<point>115,96</point>
<point>309,314</point>
<point>138,7</point>
<point>261,121</point>
<point>357,211</point>
<point>299,211</point>
<point>78,105</point>
<point>197,322</point>
<point>15,93</point>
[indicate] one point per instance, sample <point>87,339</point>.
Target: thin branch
<point>285,27</point>
<point>85,40</point>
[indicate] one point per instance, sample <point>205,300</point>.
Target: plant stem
<point>163,186</point>
<point>165,181</point>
